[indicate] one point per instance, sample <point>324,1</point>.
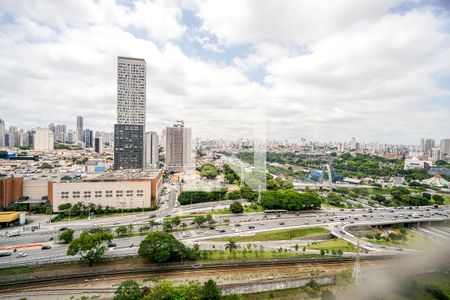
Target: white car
<point>21,254</point>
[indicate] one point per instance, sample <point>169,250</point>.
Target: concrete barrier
<point>271,285</point>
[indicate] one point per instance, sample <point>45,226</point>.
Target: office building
<point>88,138</point>
<point>80,128</point>
<point>2,133</point>
<point>151,150</point>
<point>128,146</point>
<point>43,139</point>
<point>131,110</point>
<point>98,144</point>
<point>178,148</point>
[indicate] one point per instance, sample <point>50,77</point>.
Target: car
<point>63,228</point>
<point>110,245</point>
<point>2,254</point>
<point>50,239</point>
<point>222,230</point>
<point>251,227</point>
<point>281,223</point>
<point>21,254</point>
<point>237,225</point>
<point>46,247</point>
<point>168,216</point>
<point>152,216</point>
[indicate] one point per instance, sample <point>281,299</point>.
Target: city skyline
<point>347,78</point>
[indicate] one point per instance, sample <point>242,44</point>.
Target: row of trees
<point>131,290</point>
<point>290,200</point>
<point>191,197</point>
<point>83,209</point>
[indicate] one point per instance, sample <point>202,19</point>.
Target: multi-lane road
<point>337,221</point>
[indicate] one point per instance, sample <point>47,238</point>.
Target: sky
<point>322,70</point>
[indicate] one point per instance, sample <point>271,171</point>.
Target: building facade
<point>116,192</point>
<point>131,110</point>
<point>80,128</point>
<point>128,146</point>
<point>151,150</point>
<point>2,133</point>
<point>178,148</point>
<point>98,144</point>
<point>43,139</point>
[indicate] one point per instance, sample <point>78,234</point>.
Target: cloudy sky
<point>378,70</point>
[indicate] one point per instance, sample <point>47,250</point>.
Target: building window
<point>87,194</point>
<point>108,194</point>
<point>140,193</point>
<point>119,193</point>
<point>76,194</point>
<point>98,194</point>
<point>129,193</point>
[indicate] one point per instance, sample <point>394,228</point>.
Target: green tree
<point>128,290</point>
<point>176,221</point>
<point>438,199</point>
<point>91,245</point>
<point>66,236</point>
<point>322,252</point>
<point>209,171</point>
<point>210,291</point>
<point>231,246</point>
<point>122,230</point>
<point>236,207</point>
<point>167,225</point>
<point>161,247</point>
<point>199,220</point>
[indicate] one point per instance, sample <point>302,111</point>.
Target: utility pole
<point>356,276</point>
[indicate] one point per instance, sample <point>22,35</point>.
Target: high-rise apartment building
<point>52,127</point>
<point>13,136</point>
<point>60,133</point>
<point>2,133</point>
<point>422,145</point>
<point>178,148</point>
<point>353,144</point>
<point>131,90</point>
<point>80,128</point>
<point>151,150</point>
<point>43,139</point>
<point>445,147</point>
<point>131,110</point>
<point>429,144</point>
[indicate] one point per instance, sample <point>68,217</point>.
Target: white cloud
<point>335,71</point>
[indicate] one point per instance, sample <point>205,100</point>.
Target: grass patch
<point>414,241</point>
<point>334,244</point>
<point>251,254</point>
<point>247,209</point>
<point>276,235</point>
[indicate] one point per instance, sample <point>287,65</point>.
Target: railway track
<point>38,283</point>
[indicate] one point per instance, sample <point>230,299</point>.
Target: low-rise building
<point>117,190</point>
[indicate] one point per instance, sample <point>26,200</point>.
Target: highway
<point>337,221</point>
